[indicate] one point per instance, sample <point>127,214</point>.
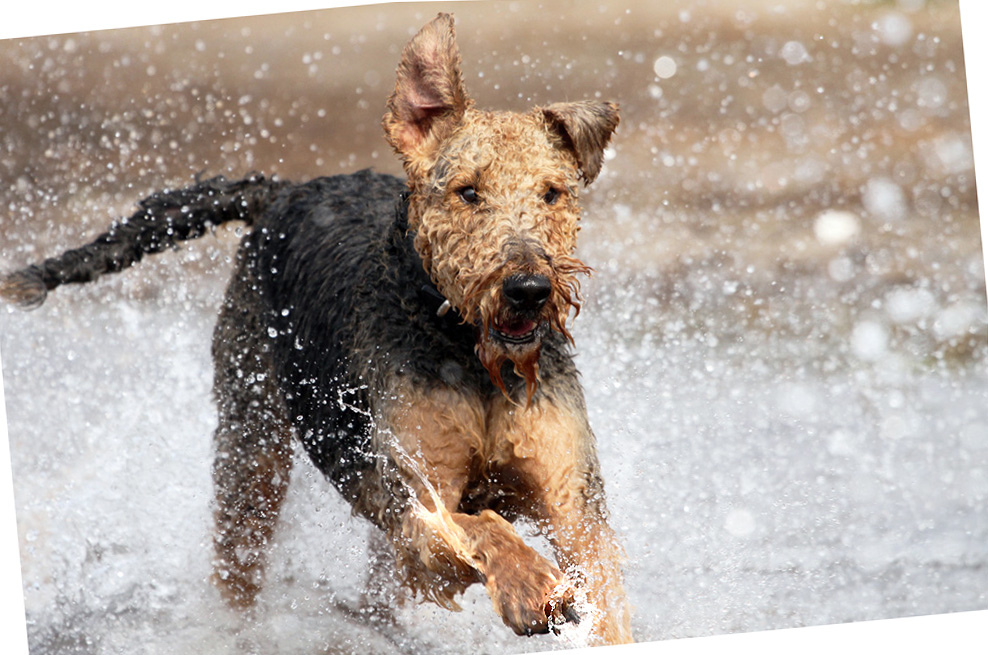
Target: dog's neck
<point>428,294</point>
<point>416,284</point>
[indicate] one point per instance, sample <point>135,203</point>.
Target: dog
<point>412,336</point>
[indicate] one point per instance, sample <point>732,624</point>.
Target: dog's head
<point>494,199</point>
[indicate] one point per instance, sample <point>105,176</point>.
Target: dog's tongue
<point>515,328</point>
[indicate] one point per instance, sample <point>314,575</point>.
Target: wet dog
<point>412,335</point>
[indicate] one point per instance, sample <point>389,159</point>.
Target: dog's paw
<point>531,595</point>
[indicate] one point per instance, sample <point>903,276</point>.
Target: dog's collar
<point>435,301</point>
<point>401,211</point>
<point>428,294</point>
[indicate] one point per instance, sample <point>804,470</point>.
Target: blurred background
<point>784,342</point>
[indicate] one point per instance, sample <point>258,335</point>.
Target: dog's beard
<point>496,345</point>
<point>492,355</point>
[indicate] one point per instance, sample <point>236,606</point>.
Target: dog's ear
<point>429,97</point>
<point>586,128</point>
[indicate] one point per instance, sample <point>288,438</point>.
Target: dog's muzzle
<point>525,296</point>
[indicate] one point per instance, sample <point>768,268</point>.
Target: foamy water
<point>751,490</point>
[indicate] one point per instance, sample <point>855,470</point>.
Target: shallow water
<point>784,344</point>
<point>776,495</point>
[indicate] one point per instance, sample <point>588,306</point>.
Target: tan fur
<point>469,250</point>
<point>553,451</point>
<point>443,442</point>
<point>511,160</point>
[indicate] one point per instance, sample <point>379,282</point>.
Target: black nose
<point>527,293</point>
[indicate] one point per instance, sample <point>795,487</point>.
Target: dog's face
<point>494,200</point>
<point>496,219</point>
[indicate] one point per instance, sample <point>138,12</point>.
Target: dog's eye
<point>468,195</point>
<point>551,196</point>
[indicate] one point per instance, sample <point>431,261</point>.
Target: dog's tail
<point>164,219</point>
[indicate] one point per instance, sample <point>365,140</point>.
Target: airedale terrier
<point>413,336</point>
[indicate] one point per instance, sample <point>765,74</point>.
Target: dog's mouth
<point>518,337</point>
<point>516,331</point>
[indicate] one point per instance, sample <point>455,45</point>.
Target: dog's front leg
<point>555,454</point>
<point>435,440</point>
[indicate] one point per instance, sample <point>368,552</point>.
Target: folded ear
<point>586,128</point>
<point>429,98</point>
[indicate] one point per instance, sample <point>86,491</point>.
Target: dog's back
<point>332,266</point>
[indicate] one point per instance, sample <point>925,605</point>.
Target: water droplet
<point>794,53</point>
<point>664,67</point>
<point>835,227</point>
<point>740,523</point>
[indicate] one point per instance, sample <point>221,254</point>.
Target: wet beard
<point>498,343</point>
<point>492,354</point>
<point>495,346</point>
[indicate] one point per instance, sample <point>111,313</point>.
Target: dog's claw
<point>559,611</point>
